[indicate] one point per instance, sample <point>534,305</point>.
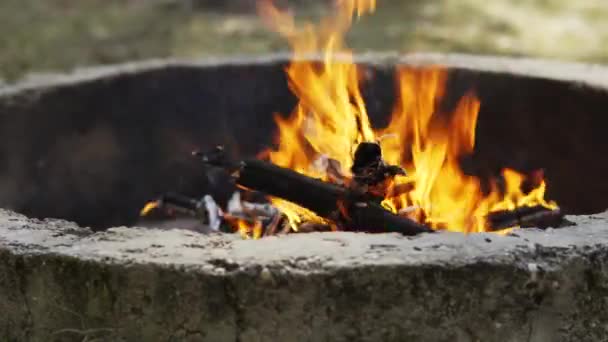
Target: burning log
<point>348,207</point>
<point>525,217</point>
<point>209,213</point>
<point>351,204</point>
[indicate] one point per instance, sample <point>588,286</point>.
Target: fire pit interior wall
<point>93,151</point>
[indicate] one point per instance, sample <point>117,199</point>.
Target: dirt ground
<point>52,35</point>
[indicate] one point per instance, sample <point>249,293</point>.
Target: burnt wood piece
<point>207,213</point>
<point>181,203</point>
<point>368,166</point>
<point>285,228</point>
<point>526,217</point>
<point>324,199</point>
<point>311,193</point>
<point>327,200</point>
<point>311,227</point>
<point>271,228</point>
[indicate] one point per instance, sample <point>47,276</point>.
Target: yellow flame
<point>148,207</point>
<point>249,230</point>
<point>438,141</point>
<point>331,118</point>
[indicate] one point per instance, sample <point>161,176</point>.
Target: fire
<point>148,208</point>
<point>331,119</point>
<point>448,198</point>
<point>249,230</point>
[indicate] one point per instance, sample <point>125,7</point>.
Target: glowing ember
<point>249,230</point>
<point>148,208</point>
<point>330,120</point>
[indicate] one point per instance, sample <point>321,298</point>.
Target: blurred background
<point>57,35</point>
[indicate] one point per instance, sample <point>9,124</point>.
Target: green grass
<point>51,35</point>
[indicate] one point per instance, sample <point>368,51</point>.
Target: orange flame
<point>249,230</point>
<point>448,197</point>
<point>331,119</point>
<point>148,208</point>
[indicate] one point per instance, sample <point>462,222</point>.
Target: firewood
<point>332,168</point>
<point>373,176</point>
<point>320,197</point>
<point>285,227</point>
<point>272,227</point>
<point>236,206</point>
<point>309,227</point>
<point>183,204</point>
<point>525,217</point>
<point>369,168</point>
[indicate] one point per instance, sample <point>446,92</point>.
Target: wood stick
<point>272,227</point>
<point>321,197</point>
<point>525,217</point>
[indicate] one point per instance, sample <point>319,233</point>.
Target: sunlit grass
<point>61,34</point>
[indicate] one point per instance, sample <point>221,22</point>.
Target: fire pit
<point>475,142</point>
<point>332,169</point>
<point>511,135</point>
<point>93,146</point>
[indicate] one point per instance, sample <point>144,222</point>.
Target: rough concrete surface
<point>59,282</point>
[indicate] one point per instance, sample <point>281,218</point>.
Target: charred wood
<point>205,209</point>
<point>368,166</point>
<point>325,199</point>
<point>332,168</point>
<point>285,227</point>
<point>526,217</point>
<point>236,206</point>
<point>273,226</point>
<point>311,193</point>
<point>373,218</point>
<point>310,227</point>
<point>180,203</point>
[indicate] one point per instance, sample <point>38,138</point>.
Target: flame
<point>248,229</point>
<point>331,119</point>
<point>448,197</point>
<point>331,116</point>
<point>148,208</point>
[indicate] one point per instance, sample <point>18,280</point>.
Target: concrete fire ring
<point>88,159</point>
<point>60,282</point>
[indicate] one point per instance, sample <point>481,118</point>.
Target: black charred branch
<point>339,204</point>
<point>372,217</point>
<point>526,217</point>
<point>313,194</point>
<point>327,200</point>
<point>183,204</point>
